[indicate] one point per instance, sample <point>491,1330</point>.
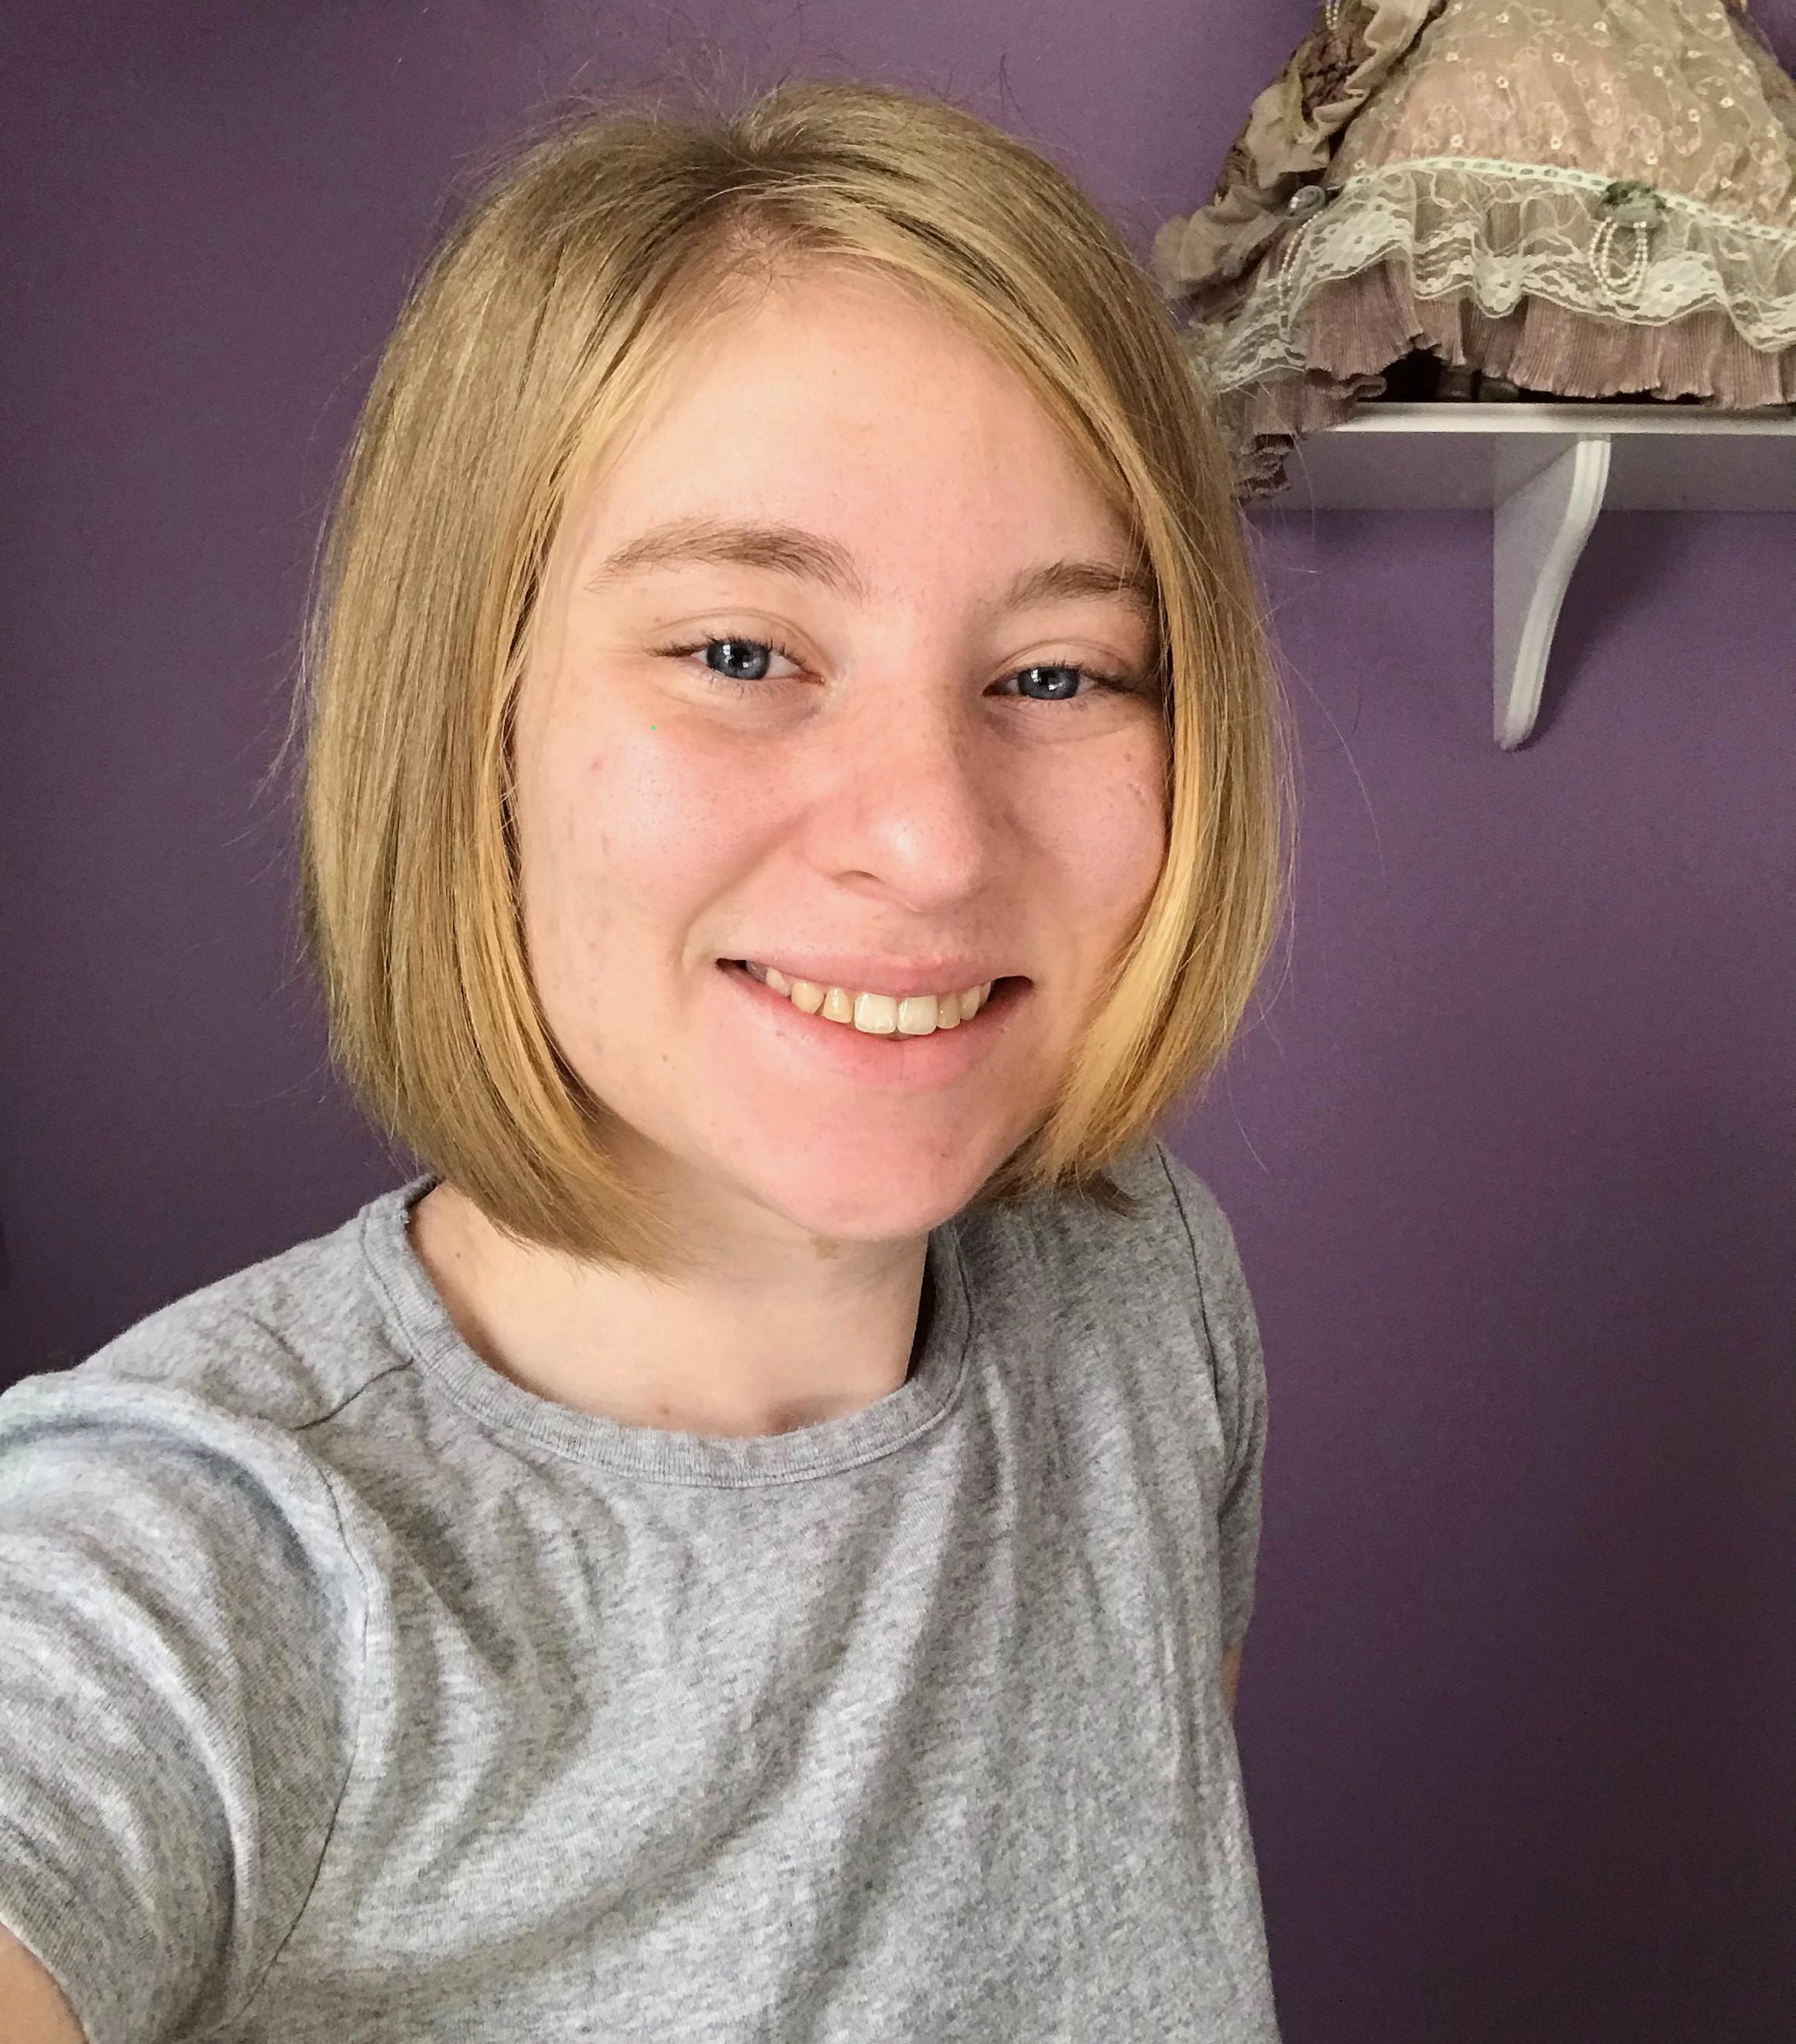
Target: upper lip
<point>897,977</point>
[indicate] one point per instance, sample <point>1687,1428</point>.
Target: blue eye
<point>744,659</point>
<point>1064,682</point>
<point>740,664</point>
<point>1064,678</point>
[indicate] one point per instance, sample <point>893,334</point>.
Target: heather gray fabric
<point>352,1694</point>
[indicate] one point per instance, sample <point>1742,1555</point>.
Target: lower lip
<point>890,1064</point>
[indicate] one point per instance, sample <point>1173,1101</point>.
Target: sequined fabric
<point>1588,198</point>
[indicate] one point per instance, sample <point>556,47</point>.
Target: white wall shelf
<point>1543,472</point>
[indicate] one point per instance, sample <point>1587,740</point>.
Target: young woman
<point>755,1541</point>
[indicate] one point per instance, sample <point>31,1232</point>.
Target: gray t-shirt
<point>350,1693</point>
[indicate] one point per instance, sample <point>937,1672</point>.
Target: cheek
<point>624,836</point>
<point>1108,836</point>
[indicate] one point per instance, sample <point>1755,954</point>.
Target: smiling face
<point>879,748</point>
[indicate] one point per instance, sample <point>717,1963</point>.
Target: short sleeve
<point>1237,1368</point>
<point>179,1660</point>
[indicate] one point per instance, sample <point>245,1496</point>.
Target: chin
<point>856,1201</point>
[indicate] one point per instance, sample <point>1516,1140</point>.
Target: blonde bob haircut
<point>531,337</point>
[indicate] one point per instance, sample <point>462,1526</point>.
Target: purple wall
<point>1509,1147</point>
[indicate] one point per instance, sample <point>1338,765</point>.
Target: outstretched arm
<point>35,2011</point>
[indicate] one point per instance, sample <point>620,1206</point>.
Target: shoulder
<point>1188,1209</point>
<point>1174,1226</point>
<point>285,1341</point>
<point>202,1420</point>
<point>1166,1265</point>
<point>1180,1203</point>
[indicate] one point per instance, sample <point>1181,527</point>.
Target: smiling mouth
<point>909,1017</point>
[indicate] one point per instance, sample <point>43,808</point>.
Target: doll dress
<point>1584,199</point>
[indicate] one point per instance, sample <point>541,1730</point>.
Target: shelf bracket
<point>1538,530</point>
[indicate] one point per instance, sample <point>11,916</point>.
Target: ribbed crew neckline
<point>421,1323</point>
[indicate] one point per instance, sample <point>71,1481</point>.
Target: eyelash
<point>1115,684</point>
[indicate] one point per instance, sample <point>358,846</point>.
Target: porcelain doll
<point>1589,199</point>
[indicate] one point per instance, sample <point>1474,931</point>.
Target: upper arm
<point>177,1666</point>
<point>36,2011</point>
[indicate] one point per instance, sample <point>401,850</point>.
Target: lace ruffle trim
<point>1494,233</point>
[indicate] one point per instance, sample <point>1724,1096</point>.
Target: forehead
<point>847,404</point>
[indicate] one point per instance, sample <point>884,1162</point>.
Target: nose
<point>914,798</point>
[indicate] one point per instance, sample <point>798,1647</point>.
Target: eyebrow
<point>789,550</point>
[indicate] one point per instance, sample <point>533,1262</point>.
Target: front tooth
<point>881,1014</point>
<point>875,1014</point>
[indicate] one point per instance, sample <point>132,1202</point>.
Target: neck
<point>791,1342</point>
